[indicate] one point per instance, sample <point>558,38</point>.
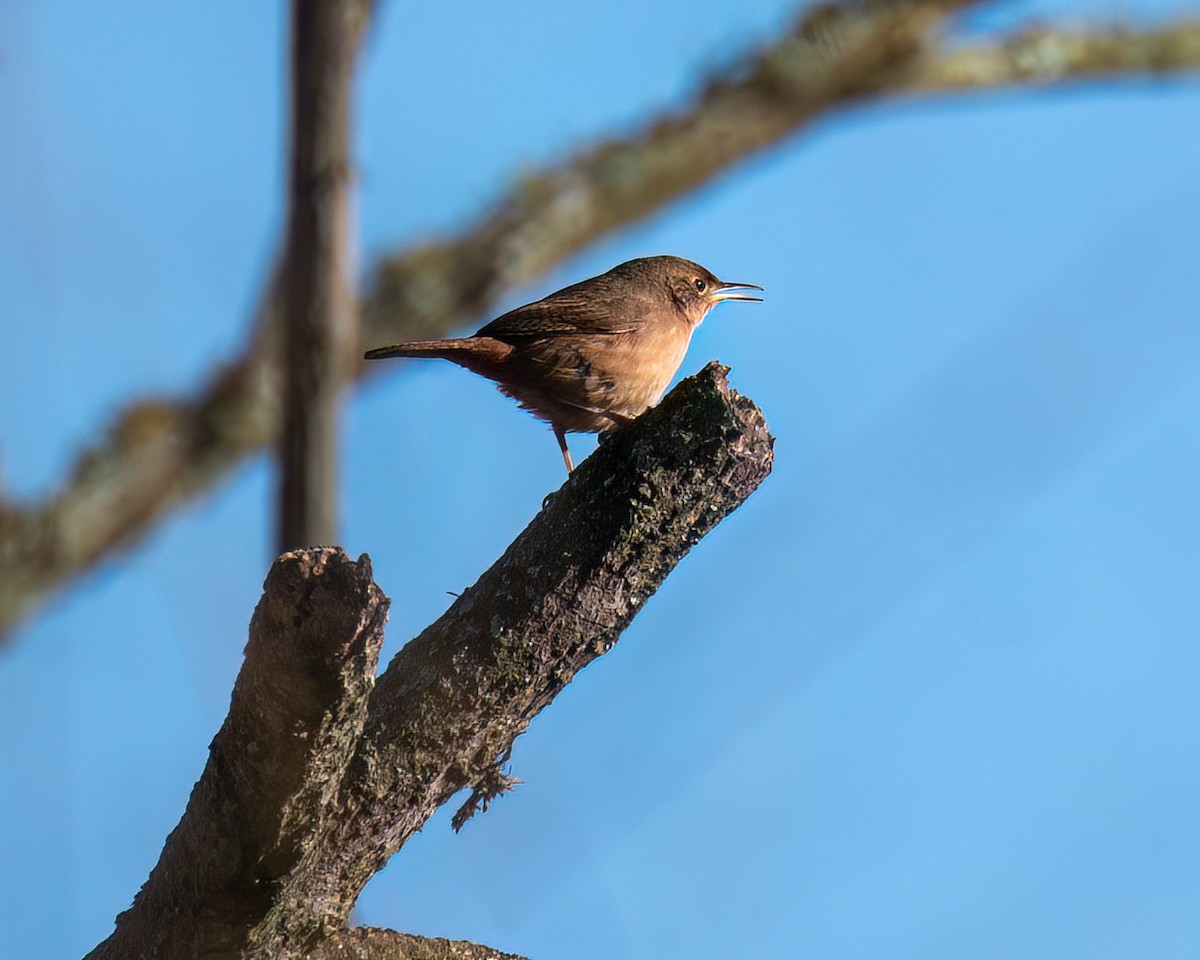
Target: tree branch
<point>315,779</point>
<point>320,332</point>
<point>372,943</point>
<point>296,714</point>
<point>162,451</point>
<point>832,55</point>
<point>1045,55</point>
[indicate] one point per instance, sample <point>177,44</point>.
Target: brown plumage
<point>596,354</point>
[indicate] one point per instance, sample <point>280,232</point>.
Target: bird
<point>592,356</point>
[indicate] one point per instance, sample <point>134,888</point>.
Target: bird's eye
<point>701,286</point>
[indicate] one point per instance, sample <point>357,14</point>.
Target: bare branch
<point>312,784</point>
<point>833,55</point>
<point>372,943</point>
<point>320,333</point>
<point>296,715</point>
<point>160,452</point>
<point>1044,55</point>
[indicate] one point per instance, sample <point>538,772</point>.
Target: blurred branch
<point>318,776</point>
<point>1055,55</point>
<point>160,452</point>
<point>320,334</point>
<point>832,55</point>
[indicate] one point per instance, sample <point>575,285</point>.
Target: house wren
<point>596,354</point>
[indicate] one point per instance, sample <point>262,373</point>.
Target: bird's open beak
<point>732,291</point>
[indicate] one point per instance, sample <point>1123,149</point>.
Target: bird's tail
<point>483,348</point>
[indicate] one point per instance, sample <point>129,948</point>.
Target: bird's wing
<point>566,313</point>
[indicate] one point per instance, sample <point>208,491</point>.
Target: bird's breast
<point>628,373</point>
<point>596,382</point>
<point>654,357</point>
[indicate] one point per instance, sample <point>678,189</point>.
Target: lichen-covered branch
<point>162,451</point>
<point>832,55</point>
<point>316,779</point>
<point>1046,54</point>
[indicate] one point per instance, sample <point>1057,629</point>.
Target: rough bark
<point>319,776</point>
<point>372,943</point>
<point>161,451</point>
<point>296,714</point>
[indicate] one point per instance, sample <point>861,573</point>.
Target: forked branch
<point>319,774</point>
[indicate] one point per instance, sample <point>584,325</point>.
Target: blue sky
<point>930,693</point>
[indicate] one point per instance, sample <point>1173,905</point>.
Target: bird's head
<point>693,289</point>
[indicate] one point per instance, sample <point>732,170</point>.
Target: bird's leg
<point>618,420</point>
<point>561,435</point>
